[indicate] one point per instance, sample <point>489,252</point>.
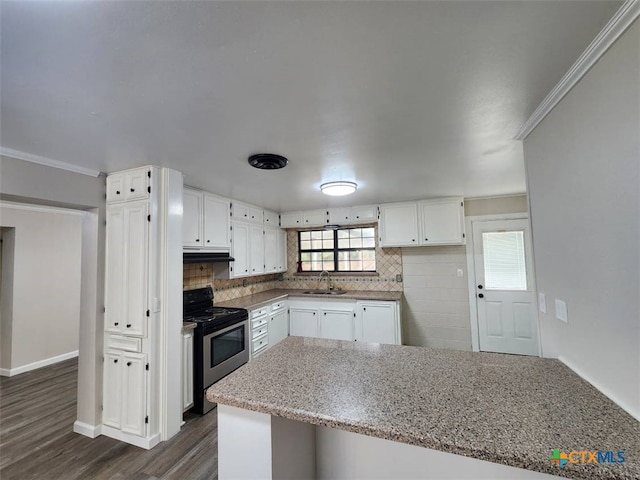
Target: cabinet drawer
<point>278,306</point>
<point>258,332</point>
<point>259,312</point>
<point>260,343</point>
<point>259,322</point>
<point>120,342</point>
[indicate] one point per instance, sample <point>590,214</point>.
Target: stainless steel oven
<point>221,342</point>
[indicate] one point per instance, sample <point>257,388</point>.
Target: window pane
<point>306,266</point>
<point>369,232</point>
<point>305,244</point>
<point>355,232</point>
<point>368,242</point>
<point>343,266</point>
<point>343,234</point>
<point>305,257</point>
<point>357,255</point>
<point>316,234</point>
<point>305,235</point>
<point>327,234</point>
<point>343,243</point>
<point>327,243</point>
<point>316,244</point>
<point>356,243</point>
<point>504,261</point>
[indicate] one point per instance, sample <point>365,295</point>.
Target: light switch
<point>542,302</point>
<point>460,273</point>
<point>561,311</point>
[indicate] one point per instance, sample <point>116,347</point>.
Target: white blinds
<point>504,261</point>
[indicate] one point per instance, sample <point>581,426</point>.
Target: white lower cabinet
<point>337,324</point>
<point>187,370</point>
<point>278,323</point>
<point>124,402</point>
<point>269,325</point>
<point>378,322</point>
<point>362,321</point>
<point>303,322</point>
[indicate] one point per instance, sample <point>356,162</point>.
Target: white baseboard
<point>91,431</point>
<point>606,392</point>
<point>10,372</point>
<point>143,442</point>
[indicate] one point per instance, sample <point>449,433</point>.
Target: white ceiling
<point>409,99</point>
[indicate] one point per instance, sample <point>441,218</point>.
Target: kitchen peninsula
<point>314,408</point>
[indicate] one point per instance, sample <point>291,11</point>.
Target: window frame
<point>335,250</point>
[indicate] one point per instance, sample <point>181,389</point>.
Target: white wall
<point>46,261</point>
<point>435,310</point>
<point>583,175</point>
<point>39,184</point>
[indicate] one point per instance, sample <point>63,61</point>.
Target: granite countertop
<point>188,326</point>
<point>506,409</point>
<point>259,299</point>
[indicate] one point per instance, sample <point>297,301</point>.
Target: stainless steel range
<point>221,342</point>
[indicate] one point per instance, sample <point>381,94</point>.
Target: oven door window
<point>227,345</point>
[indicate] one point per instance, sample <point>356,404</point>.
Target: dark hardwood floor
<point>37,411</point>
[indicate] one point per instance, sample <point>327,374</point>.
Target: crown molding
<point>28,157</point>
<point>618,24</point>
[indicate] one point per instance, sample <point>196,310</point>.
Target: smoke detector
<point>268,161</point>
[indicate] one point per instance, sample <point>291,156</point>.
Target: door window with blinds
<point>504,260</point>
<point>341,250</point>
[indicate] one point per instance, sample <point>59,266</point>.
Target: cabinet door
<point>136,184</point>
<point>112,386</point>
<point>115,188</point>
<point>278,326</point>
<point>271,256</point>
<point>364,214</point>
<point>291,220</point>
<point>187,370</point>
<point>336,324</point>
<point>192,218</point>
<point>115,269</point>
<point>442,222</point>
<point>271,219</point>
<point>134,389</point>
<point>256,244</point>
<point>136,268</point>
<point>247,213</point>
<point>216,221</point>
<point>240,249</point>
<point>339,216</point>
<point>378,323</point>
<point>399,225</point>
<point>315,218</point>
<point>303,322</point>
<point>282,251</point>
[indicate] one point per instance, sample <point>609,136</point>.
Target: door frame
<point>471,273</point>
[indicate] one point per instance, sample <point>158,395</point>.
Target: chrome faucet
<point>328,279</point>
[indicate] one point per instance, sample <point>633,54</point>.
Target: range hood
<point>206,257</point>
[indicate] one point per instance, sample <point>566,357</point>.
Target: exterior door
<point>505,292</point>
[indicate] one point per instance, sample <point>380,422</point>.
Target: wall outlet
<point>542,302</point>
<point>459,273</point>
<point>398,278</point>
<point>561,311</point>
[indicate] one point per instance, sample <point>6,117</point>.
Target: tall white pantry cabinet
<point>142,402</point>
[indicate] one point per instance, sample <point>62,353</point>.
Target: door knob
<point>480,287</point>
<point>480,295</point>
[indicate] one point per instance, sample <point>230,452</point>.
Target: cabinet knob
<point>128,364</point>
<point>413,239</point>
<point>115,361</point>
<point>325,313</point>
<point>481,295</point>
<point>314,313</point>
<point>197,240</point>
<point>357,216</point>
<point>128,325</point>
<point>117,192</point>
<point>208,241</point>
<point>133,190</point>
<point>116,324</point>
<point>426,239</point>
<point>480,287</point>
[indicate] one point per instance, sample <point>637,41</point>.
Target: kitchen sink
<point>325,292</point>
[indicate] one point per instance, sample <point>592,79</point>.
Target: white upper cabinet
<point>271,253</point>
<point>339,216</point>
<point>192,212</point>
<point>271,219</point>
<point>240,250</point>
<point>353,215</point>
<point>399,225</point>
<point>291,220</point>
<point>442,221</point>
<point>216,221</point>
<point>437,221</point>
<point>205,220</point>
<point>129,185</point>
<point>246,213</point>
<point>256,246</point>
<point>315,218</point>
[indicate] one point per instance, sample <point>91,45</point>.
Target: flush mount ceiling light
<point>268,161</point>
<point>337,189</point>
